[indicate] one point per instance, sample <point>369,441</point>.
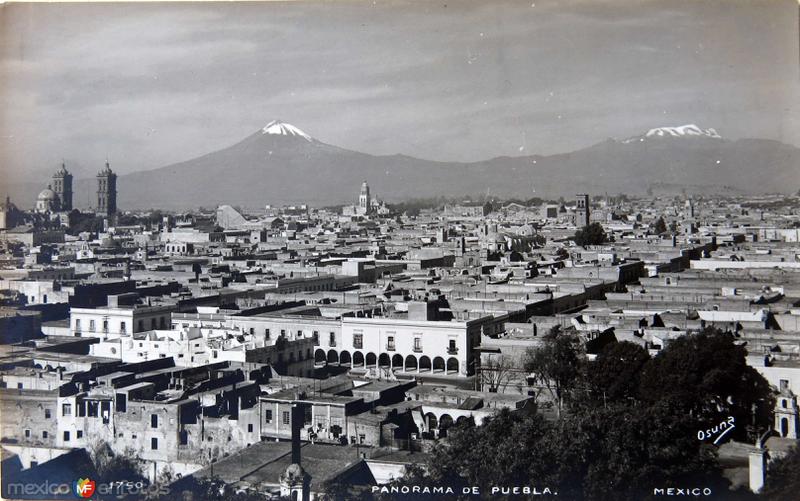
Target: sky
<point>146,85</point>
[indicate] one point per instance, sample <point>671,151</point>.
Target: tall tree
<point>614,374</point>
<point>707,374</point>
<point>495,373</point>
<point>556,364</point>
<point>593,234</point>
<point>783,477</point>
<point>659,226</point>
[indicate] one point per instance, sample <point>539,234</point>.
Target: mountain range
<point>281,164</point>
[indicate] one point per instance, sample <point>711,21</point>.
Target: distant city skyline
<point>153,84</point>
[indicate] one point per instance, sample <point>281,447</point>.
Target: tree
<point>556,364</point>
<point>708,376</point>
<point>615,372</point>
<point>783,477</point>
<point>115,467</point>
<point>623,451</point>
<point>659,226</point>
<point>593,234</point>
<point>495,373</point>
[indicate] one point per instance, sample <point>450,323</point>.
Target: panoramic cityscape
<point>543,295</point>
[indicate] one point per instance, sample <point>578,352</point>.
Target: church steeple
<point>107,191</point>
<point>62,186</point>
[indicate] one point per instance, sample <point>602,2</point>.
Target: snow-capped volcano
<point>683,130</point>
<point>283,129</point>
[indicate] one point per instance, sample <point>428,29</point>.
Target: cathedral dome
<point>47,195</point>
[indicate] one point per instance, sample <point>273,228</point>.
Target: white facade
<point>404,345</point>
<point>116,322</point>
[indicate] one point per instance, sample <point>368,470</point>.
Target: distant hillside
<point>281,164</point>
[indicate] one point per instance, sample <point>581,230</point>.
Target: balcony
<point>452,351</point>
<point>390,347</point>
<point>358,346</point>
<point>417,349</point>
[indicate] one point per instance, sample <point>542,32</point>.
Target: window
<point>105,325</point>
<point>47,413</point>
<point>332,339</point>
<point>390,343</point>
<point>66,410</point>
<point>77,325</point>
<point>250,428</point>
<point>19,386</point>
<point>252,330</point>
<point>154,443</point>
<point>162,323</point>
<point>268,415</point>
<point>44,434</point>
<point>152,324</point>
<point>417,344</point>
<point>91,325</point>
<point>451,348</point>
<point>141,325</point>
<point>358,341</point>
<point>66,436</point>
<point>123,328</point>
<point>27,433</point>
<point>266,333</point>
<point>285,417</point>
<point>79,434</point>
<point>153,420</point>
<point>214,353</point>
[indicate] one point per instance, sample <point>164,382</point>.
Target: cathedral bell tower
<point>62,186</point>
<point>106,191</point>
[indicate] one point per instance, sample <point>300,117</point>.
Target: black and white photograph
<point>400,250</point>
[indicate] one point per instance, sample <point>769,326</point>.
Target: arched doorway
<point>452,365</point>
<point>784,427</point>
<point>431,420</point>
<point>358,359</point>
<point>344,358</point>
<point>397,362</point>
<point>333,357</point>
<point>383,360</point>
<point>411,363</point>
<point>319,357</point>
<point>424,364</point>
<point>371,359</point>
<point>445,422</point>
<point>438,364</point>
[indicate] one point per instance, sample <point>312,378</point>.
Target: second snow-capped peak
<point>683,130</point>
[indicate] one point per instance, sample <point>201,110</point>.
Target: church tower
<point>363,199</point>
<point>786,412</point>
<point>582,211</point>
<point>106,191</point>
<point>62,186</point>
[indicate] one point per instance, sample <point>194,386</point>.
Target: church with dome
<point>57,197</point>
